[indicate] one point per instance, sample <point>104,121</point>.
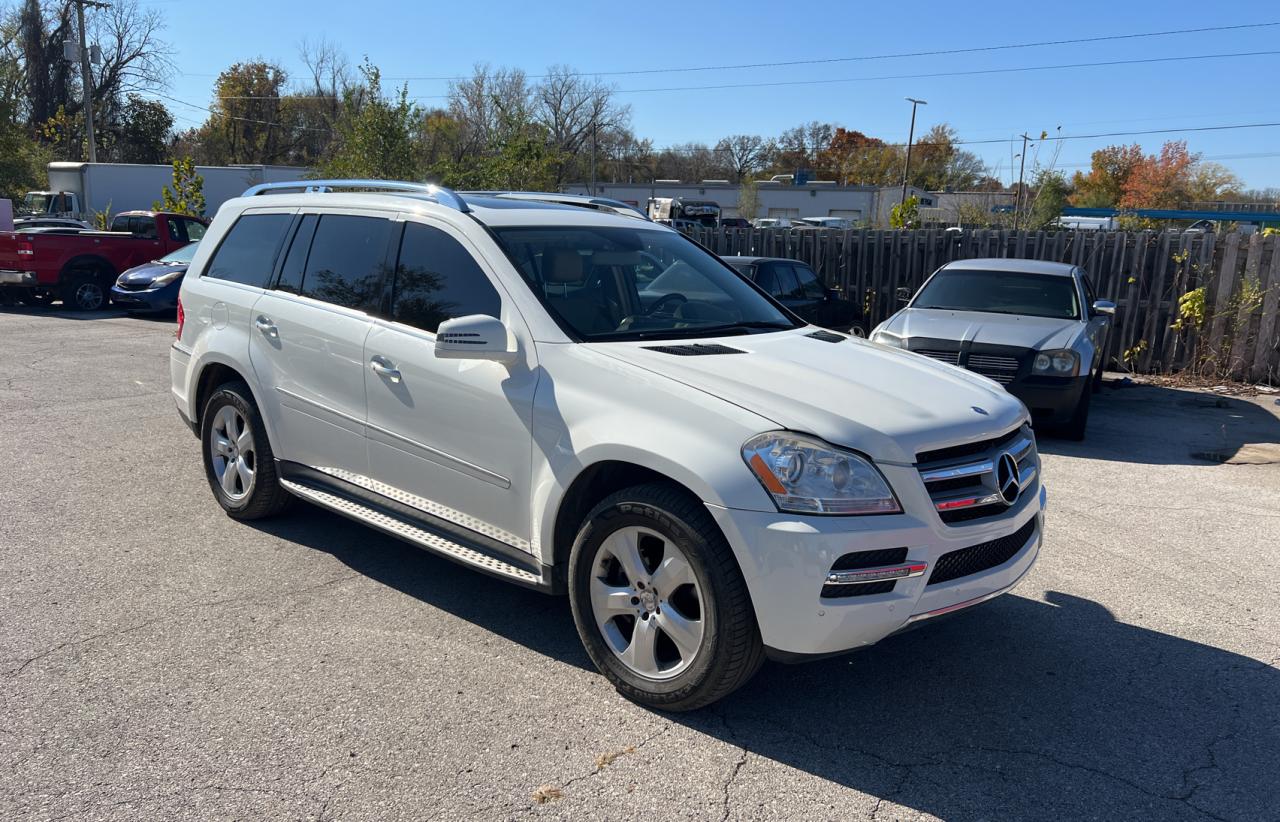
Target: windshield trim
<point>628,336</point>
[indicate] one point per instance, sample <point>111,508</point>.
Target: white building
<point>856,203</point>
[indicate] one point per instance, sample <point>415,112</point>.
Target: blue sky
<point>447,38</point>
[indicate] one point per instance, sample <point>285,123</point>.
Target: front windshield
<point>636,284</point>
<point>182,255</point>
<point>1001,292</point>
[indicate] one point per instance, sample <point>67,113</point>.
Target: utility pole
<point>911,136</point>
<point>593,155</point>
<point>86,77</point>
<point>1022,167</point>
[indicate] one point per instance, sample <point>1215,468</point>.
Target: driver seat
<point>582,307</point>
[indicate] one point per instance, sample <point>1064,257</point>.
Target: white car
<point>771,222</point>
<point>710,480</point>
<point>1035,327</point>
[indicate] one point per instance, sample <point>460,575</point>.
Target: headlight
<point>1061,363</point>
<point>807,476</point>
<point>165,279</point>
<point>885,338</point>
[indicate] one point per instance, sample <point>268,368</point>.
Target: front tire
<point>238,460</point>
<point>1075,427</point>
<point>659,600</point>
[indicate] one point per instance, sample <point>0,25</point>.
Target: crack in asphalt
<point>182,613</point>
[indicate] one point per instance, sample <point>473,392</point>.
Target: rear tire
<point>238,460</point>
<point>678,631</point>
<point>85,290</point>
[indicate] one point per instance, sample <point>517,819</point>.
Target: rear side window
<point>809,283</point>
<point>248,252</point>
<point>787,288</point>
<point>437,279</point>
<point>345,264</point>
<point>295,262</point>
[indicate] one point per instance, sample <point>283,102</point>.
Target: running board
<point>418,536</point>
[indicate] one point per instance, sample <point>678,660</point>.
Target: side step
<point>422,538</point>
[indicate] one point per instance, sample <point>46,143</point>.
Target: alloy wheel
<point>232,449</point>
<point>89,296</point>
<point>647,602</point>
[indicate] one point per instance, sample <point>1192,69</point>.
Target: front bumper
<point>22,278</point>
<point>1049,399</point>
<point>786,558</point>
<point>164,298</point>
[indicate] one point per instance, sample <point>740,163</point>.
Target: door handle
<point>266,327</point>
<point>384,368</point>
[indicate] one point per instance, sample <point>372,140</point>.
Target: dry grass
<point>604,760</point>
<point>547,793</point>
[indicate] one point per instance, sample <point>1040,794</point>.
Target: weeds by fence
<point>1198,303</point>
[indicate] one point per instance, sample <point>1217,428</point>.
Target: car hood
<point>887,403</point>
<point>147,272</point>
<point>975,326</point>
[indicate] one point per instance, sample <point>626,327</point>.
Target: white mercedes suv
<point>581,401</point>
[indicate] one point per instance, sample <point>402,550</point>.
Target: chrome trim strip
<point>425,539</point>
<point>862,576</point>
<point>967,501</point>
<point>1025,477</point>
<point>447,460</point>
<point>973,469</point>
<point>340,414</point>
<point>1020,448</point>
<point>428,506</point>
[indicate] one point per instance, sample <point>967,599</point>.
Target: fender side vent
<point>695,350</point>
<point>826,336</point>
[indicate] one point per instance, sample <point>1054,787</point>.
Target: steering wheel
<point>663,300</point>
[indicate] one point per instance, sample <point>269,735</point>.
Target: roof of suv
<point>490,208</point>
<point>1003,264</point>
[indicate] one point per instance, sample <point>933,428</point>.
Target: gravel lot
<point>160,660</point>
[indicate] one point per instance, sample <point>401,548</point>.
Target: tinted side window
<point>437,279</point>
<point>177,229</point>
<point>767,280</point>
<point>120,224</point>
<point>195,230</point>
<point>345,263</point>
<point>1089,294</point>
<point>809,284</point>
<point>296,260</point>
<point>788,287</point>
<point>248,252</point>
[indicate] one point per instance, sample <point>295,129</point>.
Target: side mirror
<point>1104,307</point>
<point>475,337</point>
<point>903,295</point>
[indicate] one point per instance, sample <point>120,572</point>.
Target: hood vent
<point>694,350</point>
<point>826,336</point>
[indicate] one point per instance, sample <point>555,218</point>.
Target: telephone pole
<point>1022,167</point>
<point>86,77</point>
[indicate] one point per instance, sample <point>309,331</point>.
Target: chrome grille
<point>1000,369</point>
<point>967,482</point>
<point>949,357</point>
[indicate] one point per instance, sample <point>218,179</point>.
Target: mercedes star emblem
<point>1007,478</point>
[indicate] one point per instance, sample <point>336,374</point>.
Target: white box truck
<point>80,189</point>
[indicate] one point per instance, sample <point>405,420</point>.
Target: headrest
<point>564,265</point>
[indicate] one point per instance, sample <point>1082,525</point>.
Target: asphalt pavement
<point>159,660</point>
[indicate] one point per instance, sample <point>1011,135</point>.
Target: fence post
<point>1225,286</point>
<point>1265,363</point>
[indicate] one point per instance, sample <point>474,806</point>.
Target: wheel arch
<point>91,262</point>
<point>592,484</point>
<point>212,373</point>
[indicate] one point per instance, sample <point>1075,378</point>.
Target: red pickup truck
<point>79,267</point>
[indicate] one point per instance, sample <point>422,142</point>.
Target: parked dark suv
<point>795,285</point>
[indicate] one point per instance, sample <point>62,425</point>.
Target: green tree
<point>375,135</point>
<point>22,161</point>
<point>906,214</point>
<point>187,194</point>
<point>141,134</point>
<point>1051,196</point>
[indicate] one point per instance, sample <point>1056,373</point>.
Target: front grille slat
<point>864,559</point>
<point>957,474</point>
<point>981,557</point>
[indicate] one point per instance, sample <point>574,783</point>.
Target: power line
<point>969,72</point>
<point>829,81</point>
<point>860,58</point>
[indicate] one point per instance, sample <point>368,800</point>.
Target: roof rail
<point>438,194</point>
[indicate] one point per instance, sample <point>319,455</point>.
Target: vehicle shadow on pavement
<point>1026,709</point>
<point>535,620</point>
<point>1169,426</point>
<point>62,313</point>
<point>1017,709</point>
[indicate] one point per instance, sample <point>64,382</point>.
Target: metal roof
<point>1005,264</point>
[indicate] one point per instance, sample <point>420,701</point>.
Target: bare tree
<point>745,154</point>
<point>486,105</point>
<point>134,58</point>
<point>579,114</point>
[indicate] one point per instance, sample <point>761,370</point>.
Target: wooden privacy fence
<point>1186,302</point>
